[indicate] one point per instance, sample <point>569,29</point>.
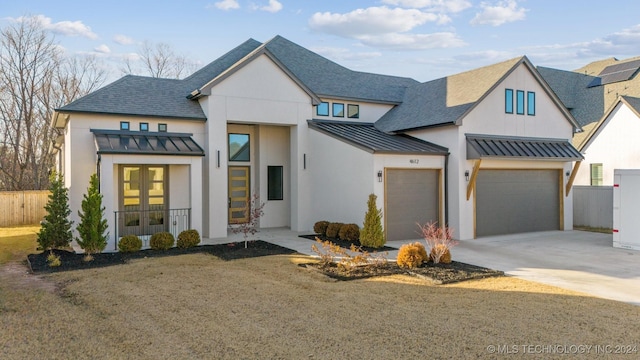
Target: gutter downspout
<point>98,171</point>
<point>446,190</point>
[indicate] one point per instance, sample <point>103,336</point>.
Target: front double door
<point>143,202</point>
<point>239,194</point>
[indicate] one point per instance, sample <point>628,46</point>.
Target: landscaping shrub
<point>440,254</point>
<point>161,241</point>
<point>412,255</point>
<point>320,227</point>
<point>53,260</point>
<point>439,240</point>
<point>93,225</point>
<point>371,234</point>
<point>349,232</point>
<point>129,244</point>
<point>55,230</point>
<point>188,238</point>
<point>333,229</point>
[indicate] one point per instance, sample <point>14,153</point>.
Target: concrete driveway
<point>576,260</point>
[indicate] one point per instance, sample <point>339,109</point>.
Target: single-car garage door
<point>516,201</point>
<point>412,197</point>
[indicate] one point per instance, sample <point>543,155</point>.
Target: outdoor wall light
<point>304,161</point>
<point>466,175</point>
<point>217,158</point>
<point>567,173</point>
<point>379,175</point>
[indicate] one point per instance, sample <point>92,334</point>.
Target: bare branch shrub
<point>439,241</point>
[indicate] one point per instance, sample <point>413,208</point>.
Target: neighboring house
<point>484,151</point>
<point>603,97</point>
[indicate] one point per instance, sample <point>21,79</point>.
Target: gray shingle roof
<point>487,146</point>
<point>140,96</point>
<point>585,104</point>
<point>145,143</point>
<point>326,78</point>
<point>366,137</point>
<point>446,100</point>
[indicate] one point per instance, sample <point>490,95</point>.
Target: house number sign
<point>414,161</point>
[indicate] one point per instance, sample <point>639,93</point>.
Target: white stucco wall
<point>258,93</point>
<point>344,176</point>
<point>615,146</point>
<point>274,151</point>
<point>81,161</point>
<point>489,118</point>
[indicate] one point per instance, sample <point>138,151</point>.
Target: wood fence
<point>22,207</point>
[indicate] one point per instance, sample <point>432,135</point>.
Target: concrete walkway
<point>575,260</point>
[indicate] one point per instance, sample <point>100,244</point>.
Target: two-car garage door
<point>517,201</point>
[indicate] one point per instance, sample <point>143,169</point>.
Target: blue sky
<point>422,39</point>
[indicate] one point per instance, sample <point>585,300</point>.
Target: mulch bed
<point>346,244</point>
<point>231,251</point>
<point>436,273</point>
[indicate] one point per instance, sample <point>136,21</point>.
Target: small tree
<point>372,234</point>
<point>254,212</point>
<point>92,224</point>
<point>55,230</point>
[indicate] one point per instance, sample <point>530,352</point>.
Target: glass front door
<point>238,194</point>
<point>143,200</point>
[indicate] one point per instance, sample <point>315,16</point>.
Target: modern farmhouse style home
<point>486,151</point>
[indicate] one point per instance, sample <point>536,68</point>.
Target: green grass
<point>17,242</point>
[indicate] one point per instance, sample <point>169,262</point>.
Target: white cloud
<point>502,12</point>
<point>414,41</point>
<point>273,7</point>
<point>67,28</point>
<point>452,6</point>
<point>343,54</point>
<point>227,5</point>
<point>484,57</point>
<point>123,40</point>
<point>384,27</point>
<point>103,49</point>
<point>370,21</point>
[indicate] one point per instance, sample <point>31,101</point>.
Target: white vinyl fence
<point>593,206</point>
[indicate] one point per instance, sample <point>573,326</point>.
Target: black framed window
<point>162,127</point>
<point>144,126</point>
<point>338,110</point>
<point>239,148</point>
<point>520,102</point>
<point>353,111</point>
<point>124,125</point>
<point>531,103</point>
<point>508,101</point>
<point>275,182</point>
<point>322,109</point>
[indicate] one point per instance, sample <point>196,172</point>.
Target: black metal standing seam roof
<point>523,148</point>
<point>368,138</point>
<point>145,143</point>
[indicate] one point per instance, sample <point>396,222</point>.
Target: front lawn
<point>17,242</point>
<point>200,306</point>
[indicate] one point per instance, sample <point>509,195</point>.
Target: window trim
<point>323,104</point>
<point>275,189</point>
<point>531,103</point>
<point>333,109</point>
<point>357,113</point>
<point>162,127</point>
<point>520,102</point>
<point>508,101</point>
<point>144,124</point>
<point>125,125</point>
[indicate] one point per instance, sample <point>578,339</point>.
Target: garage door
<point>411,198</point>
<point>516,201</point>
